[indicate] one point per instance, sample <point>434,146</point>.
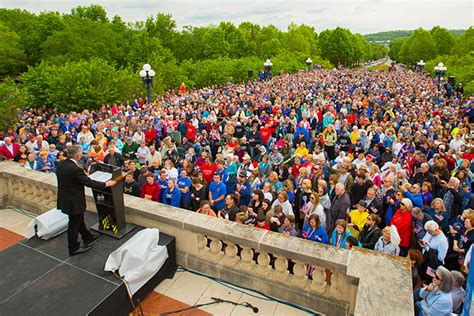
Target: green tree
<point>82,39</point>
<point>420,45</point>
<point>462,67</point>
<point>362,48</point>
<point>79,85</point>
<point>94,12</point>
<point>395,48</point>
<point>11,98</point>
<point>301,38</point>
<point>444,40</point>
<point>163,27</point>
<point>12,56</point>
<point>337,46</point>
<point>215,44</point>
<point>465,43</point>
<point>378,51</point>
<point>271,48</point>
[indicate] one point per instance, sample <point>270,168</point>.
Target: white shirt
<point>456,144</point>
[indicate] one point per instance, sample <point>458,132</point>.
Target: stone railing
<point>359,282</point>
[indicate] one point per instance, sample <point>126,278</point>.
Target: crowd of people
<point>349,158</point>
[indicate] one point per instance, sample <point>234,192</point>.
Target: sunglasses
<point>437,277</point>
<point>402,204</point>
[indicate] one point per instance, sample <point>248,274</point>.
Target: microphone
<point>255,309</point>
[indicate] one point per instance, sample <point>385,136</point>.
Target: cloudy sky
<point>362,16</point>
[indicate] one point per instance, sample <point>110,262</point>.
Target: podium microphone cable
<point>215,301</point>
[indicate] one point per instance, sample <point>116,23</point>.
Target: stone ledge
<point>377,289</point>
<point>315,301</point>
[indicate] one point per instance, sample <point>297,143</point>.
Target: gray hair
<point>446,279</point>
<point>431,226</point>
<point>458,278</point>
<point>73,151</point>
<point>417,211</point>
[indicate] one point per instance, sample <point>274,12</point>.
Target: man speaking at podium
<point>72,200</point>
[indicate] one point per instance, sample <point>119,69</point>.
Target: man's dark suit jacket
<point>71,182</point>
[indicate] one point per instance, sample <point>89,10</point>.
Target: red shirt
<point>190,132</point>
<point>351,118</point>
<point>266,133</point>
<point>468,155</point>
<point>264,226</point>
<point>5,152</point>
<point>152,190</point>
<point>403,224</point>
<point>208,172</point>
<point>150,135</point>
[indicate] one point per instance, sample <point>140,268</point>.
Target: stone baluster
<point>318,284</point>
<point>263,267</point>
<point>246,256</point>
<point>215,248</point>
<point>300,279</point>
<point>231,258</point>
<point>281,269</point>
<point>202,245</point>
<point>338,285</point>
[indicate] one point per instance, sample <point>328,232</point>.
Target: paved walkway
<point>184,290</point>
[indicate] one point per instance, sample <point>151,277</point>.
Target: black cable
<point>215,301</point>
<point>265,296</point>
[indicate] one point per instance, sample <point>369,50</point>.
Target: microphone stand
<point>215,301</point>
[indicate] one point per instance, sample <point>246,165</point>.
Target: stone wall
<point>359,282</point>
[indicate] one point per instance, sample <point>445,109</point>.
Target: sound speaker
<point>452,81</point>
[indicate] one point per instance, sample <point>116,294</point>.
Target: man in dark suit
<point>72,200</point>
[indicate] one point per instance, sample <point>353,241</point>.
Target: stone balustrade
<point>359,282</point>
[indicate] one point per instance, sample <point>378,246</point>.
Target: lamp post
<point>147,75</point>
<point>440,71</point>
<point>268,68</point>
<point>421,65</point>
<point>309,62</point>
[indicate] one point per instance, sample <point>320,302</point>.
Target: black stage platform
<point>38,277</point>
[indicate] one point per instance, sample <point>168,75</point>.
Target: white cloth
<point>49,224</point>
<point>139,259</point>
<point>394,236</point>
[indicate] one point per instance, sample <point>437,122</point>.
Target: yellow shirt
<point>358,218</point>
<point>301,151</point>
<point>455,131</point>
<point>354,136</point>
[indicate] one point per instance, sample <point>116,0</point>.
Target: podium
<point>109,202</point>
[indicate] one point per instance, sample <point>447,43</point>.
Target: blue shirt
<point>417,200</point>
<point>438,242</point>
<point>185,183</point>
<point>342,239</point>
<point>163,186</point>
<point>171,198</point>
<point>245,193</point>
<point>319,234</point>
<point>439,304</point>
<point>224,174</point>
<point>218,190</point>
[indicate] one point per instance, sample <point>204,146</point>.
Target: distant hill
<point>391,35</point>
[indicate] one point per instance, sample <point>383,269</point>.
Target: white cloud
<point>358,15</point>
